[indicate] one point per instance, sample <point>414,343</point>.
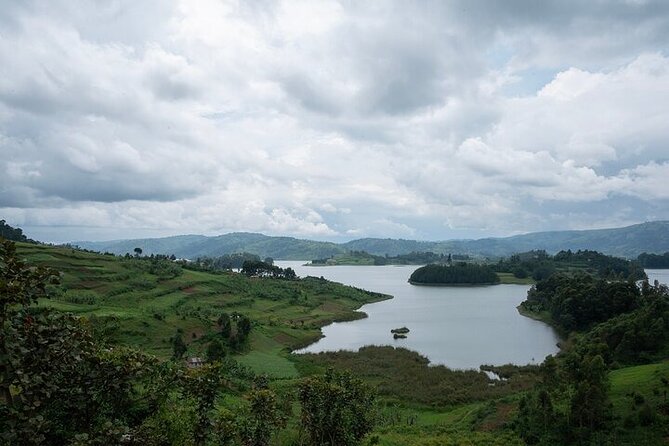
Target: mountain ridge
<point>628,241</point>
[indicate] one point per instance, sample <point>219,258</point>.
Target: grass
<point>483,423</point>
<point>405,377</point>
<point>640,398</point>
<point>134,307</point>
<point>509,278</point>
<point>269,357</point>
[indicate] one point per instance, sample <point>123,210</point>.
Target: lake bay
<point>460,327</point>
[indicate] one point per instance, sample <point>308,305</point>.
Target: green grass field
<point>509,278</point>
<point>640,398</point>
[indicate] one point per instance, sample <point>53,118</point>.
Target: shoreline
<point>540,318</point>
<point>433,284</point>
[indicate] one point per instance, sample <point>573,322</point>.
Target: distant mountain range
<point>630,241</point>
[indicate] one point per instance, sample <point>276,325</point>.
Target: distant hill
<point>630,241</point>
<point>193,246</point>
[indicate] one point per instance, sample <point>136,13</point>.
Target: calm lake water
<point>461,327</point>
<point>661,275</point>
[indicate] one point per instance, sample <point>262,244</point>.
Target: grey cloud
<point>310,95</point>
<point>191,117</point>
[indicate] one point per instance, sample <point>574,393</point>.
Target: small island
<point>460,273</point>
<point>400,333</point>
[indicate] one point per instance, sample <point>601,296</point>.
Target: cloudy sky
<point>332,120</point>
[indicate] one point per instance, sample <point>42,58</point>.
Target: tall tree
<point>178,346</point>
<point>337,409</point>
<point>262,418</point>
<point>225,324</point>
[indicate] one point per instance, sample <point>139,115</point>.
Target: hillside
<point>193,246</point>
<point>630,241</point>
<point>136,304</point>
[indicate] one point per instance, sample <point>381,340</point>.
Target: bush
<point>80,297</point>
<point>646,415</point>
<point>520,273</point>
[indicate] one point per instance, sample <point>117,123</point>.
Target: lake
<point>460,327</point>
<point>661,275</point>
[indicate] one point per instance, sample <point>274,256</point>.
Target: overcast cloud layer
<point>332,120</point>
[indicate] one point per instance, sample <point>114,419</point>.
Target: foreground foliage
<point>337,409</point>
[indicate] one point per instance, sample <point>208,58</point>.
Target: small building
<point>195,362</point>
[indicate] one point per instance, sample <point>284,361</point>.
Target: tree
<point>138,251</point>
<point>225,325</point>
<point>14,234</point>
<point>178,346</point>
<point>262,418</point>
<point>57,384</point>
<point>589,402</point>
<point>457,273</point>
<point>215,351</point>
<point>243,327</point>
<point>20,286</point>
<point>202,384</point>
<point>537,420</point>
<point>337,409</point>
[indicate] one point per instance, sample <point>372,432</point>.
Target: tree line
<point>457,273</point>
<point>659,261</point>
<point>577,301</point>
<point>613,323</point>
<point>256,268</point>
<point>539,265</point>
<point>225,262</point>
<point>14,234</point>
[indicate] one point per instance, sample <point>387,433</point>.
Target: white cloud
<point>329,119</point>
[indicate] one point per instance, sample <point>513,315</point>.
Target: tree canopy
<point>660,261</point>
<point>458,273</point>
<point>13,234</point>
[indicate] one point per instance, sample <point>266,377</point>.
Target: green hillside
<point>132,305</point>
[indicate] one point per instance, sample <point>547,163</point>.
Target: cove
<point>460,327</point>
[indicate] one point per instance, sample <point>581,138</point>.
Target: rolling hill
<point>629,241</point>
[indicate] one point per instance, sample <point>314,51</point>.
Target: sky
<point>332,120</point>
